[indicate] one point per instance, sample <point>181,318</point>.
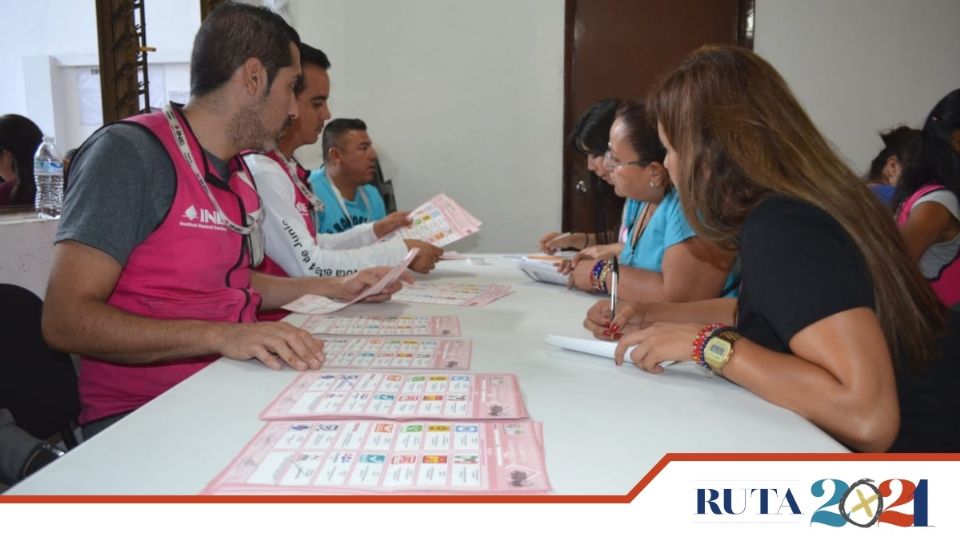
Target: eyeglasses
<point>610,162</point>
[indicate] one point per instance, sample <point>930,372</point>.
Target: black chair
<point>385,187</point>
<point>37,384</point>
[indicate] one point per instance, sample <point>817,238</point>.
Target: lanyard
<point>252,235</point>
<point>180,138</point>
<point>315,203</point>
<point>639,226</point>
<point>343,204</point>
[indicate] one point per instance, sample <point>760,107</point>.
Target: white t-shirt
<point>288,242</point>
<point>940,254</point>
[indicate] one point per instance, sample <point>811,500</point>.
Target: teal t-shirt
<point>366,206</point>
<point>666,228</point>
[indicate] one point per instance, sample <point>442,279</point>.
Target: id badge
<point>255,238</point>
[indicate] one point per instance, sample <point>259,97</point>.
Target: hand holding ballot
<point>392,222</point>
<point>439,221</point>
<point>427,257</point>
<point>370,285</point>
<point>361,282</point>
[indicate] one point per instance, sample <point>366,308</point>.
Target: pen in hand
<point>614,278</point>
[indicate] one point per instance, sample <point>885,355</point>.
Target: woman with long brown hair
<point>833,320</point>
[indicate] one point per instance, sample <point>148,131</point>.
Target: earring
<point>653,184</point>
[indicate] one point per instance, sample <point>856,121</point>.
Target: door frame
<point>746,16</point>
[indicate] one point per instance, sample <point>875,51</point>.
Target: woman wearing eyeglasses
<point>833,321</point>
<point>589,138</point>
<point>661,257</point>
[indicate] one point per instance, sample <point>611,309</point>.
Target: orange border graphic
<point>472,499</point>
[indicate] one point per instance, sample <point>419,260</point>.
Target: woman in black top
<point>833,321</point>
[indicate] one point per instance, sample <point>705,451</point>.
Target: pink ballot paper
<point>382,394</point>
<point>440,221</point>
<point>446,326</point>
<point>396,353</point>
<point>455,294</point>
<point>318,305</point>
<point>383,457</point>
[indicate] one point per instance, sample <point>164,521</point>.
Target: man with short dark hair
<point>344,181</point>
<point>153,256</point>
<point>292,244</point>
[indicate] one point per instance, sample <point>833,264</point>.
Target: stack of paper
<point>543,268</point>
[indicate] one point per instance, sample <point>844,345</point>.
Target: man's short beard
<point>247,131</point>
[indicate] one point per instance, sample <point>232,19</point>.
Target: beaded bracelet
<point>700,342</point>
<point>607,266</point>
<point>601,286</point>
<point>595,274</point>
<point>598,276</point>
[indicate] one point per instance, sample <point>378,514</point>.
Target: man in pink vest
<point>292,244</point>
<point>160,228</point>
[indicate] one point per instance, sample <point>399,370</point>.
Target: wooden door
<point>619,48</point>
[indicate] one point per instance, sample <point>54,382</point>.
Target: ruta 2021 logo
<point>864,503</point>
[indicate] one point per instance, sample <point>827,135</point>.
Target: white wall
<point>41,27</point>
<point>462,96</point>
<point>466,96</point>
<point>861,66</point>
<point>45,42</point>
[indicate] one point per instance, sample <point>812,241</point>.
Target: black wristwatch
<point>43,454</point>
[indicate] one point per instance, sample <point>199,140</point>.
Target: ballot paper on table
<point>398,395</point>
<point>543,268</point>
<point>595,347</point>
<point>454,294</point>
<point>439,221</point>
<point>344,457</point>
<point>313,304</point>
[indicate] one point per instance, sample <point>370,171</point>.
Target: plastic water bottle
<point>48,174</point>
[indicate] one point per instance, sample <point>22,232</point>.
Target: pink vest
<point>190,267</point>
<point>947,284</point>
<point>268,266</point>
<point>303,207</point>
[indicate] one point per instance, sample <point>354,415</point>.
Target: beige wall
<point>860,66</point>
<point>464,97</point>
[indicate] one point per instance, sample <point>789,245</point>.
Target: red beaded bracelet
<point>699,342</point>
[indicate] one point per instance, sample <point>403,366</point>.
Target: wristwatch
<point>42,455</point>
<point>719,349</point>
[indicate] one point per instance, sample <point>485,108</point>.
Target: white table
<point>604,426</point>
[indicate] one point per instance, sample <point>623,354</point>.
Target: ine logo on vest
<point>202,219</point>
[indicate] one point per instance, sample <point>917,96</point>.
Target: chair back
<point>38,385</point>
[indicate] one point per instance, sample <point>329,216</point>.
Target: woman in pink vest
<point>928,212</point>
